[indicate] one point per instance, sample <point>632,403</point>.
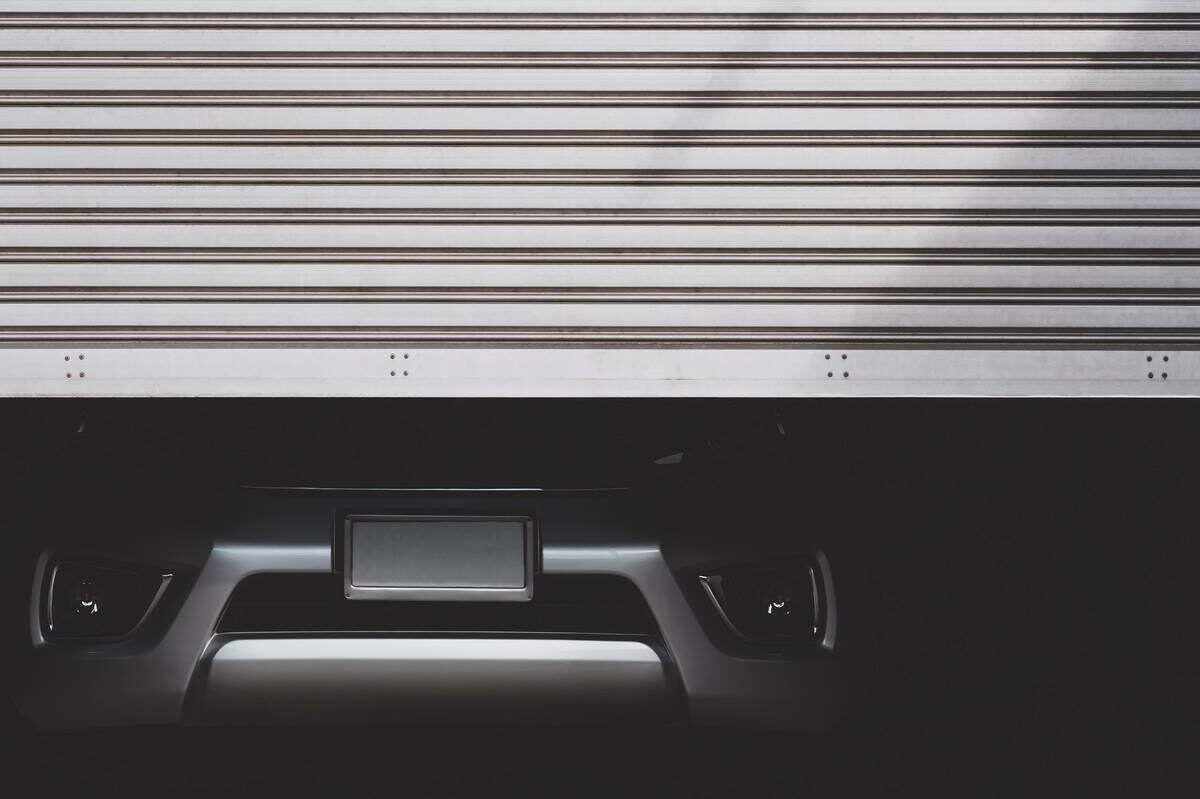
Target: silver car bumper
<point>184,671</point>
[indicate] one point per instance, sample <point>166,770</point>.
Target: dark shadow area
<point>1022,574</point>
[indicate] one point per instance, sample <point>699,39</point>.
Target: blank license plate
<point>486,558</point>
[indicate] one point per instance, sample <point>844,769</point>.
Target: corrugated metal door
<point>484,197</point>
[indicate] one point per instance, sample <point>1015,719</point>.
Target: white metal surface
<point>536,197</point>
<point>673,369</point>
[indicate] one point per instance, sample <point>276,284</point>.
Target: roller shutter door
<point>547,197</point>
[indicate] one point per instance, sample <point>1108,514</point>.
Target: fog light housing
<point>775,603</point>
<point>99,602</point>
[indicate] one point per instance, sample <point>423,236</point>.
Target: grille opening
<point>600,605</point>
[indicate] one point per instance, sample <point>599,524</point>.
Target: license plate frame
<point>439,557</point>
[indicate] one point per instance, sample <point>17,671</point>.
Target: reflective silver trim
<point>430,490</point>
<point>327,680</point>
<point>162,589</point>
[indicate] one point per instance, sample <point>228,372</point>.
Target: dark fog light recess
<point>91,601</point>
<point>768,603</point>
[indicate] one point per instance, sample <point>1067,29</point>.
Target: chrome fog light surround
<point>86,600</point>
<point>769,603</point>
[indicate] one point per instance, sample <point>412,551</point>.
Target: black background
<point>1024,573</point>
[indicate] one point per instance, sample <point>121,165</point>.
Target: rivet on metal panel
<point>1150,359</point>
